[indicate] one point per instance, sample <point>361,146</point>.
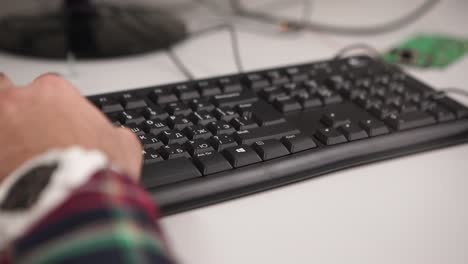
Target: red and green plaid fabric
<point>110,219</point>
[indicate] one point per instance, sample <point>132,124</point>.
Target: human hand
<point>50,113</point>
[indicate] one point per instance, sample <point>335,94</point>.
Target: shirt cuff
<point>75,167</point>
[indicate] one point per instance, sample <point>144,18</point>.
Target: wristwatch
<point>41,184</point>
<point>26,190</point>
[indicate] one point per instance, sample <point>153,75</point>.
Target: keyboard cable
<point>178,62</point>
<point>234,45</point>
<point>293,24</point>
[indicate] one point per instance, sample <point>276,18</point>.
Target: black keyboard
<point>210,140</point>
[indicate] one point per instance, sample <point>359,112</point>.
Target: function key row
<point>229,91</point>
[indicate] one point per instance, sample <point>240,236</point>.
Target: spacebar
<point>278,131</point>
<point>168,171</point>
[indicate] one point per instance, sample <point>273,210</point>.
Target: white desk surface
<point>407,210</point>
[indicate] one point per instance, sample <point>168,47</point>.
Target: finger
<point>132,149</point>
<point>53,81</point>
<point>5,82</point>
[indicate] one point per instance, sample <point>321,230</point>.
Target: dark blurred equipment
<point>89,30</point>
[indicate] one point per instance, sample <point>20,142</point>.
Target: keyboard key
<point>172,137</point>
<point>211,162</point>
<point>154,126</point>
<point>179,122</point>
<point>240,156</point>
<point>270,149</point>
<point>201,105</point>
<point>154,112</point>
<point>278,131</point>
<point>136,129</point>
<point>276,77</point>
<point>410,120</point>
<point>108,105</point>
<point>353,93</point>
<point>244,122</point>
<point>309,102</point>
<point>330,136</point>
<point>374,128</point>
<point>266,115</point>
<point>198,146</point>
<point>186,92</point>
<point>208,88</point>
<point>233,99</point>
<point>151,155</point>
<point>221,142</point>
<point>335,120</point>
<point>173,151</point>
<point>271,93</point>
<point>150,141</point>
<point>202,117</point>
<point>394,100</point>
<point>382,112</point>
<point>297,143</point>
<point>129,101</point>
<point>230,85</point>
<point>225,113</point>
<point>256,81</point>
<point>441,114</point>
<point>296,75</point>
<point>178,108</point>
<point>287,104</point>
<point>368,102</point>
<point>312,86</point>
<point>298,93</point>
<point>427,105</point>
<point>411,96</point>
<point>220,127</point>
<point>160,96</point>
<point>167,172</point>
<point>291,87</point>
<point>353,132</point>
<point>459,110</point>
<point>130,117</point>
<point>197,132</point>
<point>328,96</point>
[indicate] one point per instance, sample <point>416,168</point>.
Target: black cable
<point>337,29</point>
<point>179,63</point>
<point>234,44</point>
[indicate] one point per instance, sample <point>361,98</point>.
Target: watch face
<point>27,189</point>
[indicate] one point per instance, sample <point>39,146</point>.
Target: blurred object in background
<point>87,29</point>
<point>428,51</point>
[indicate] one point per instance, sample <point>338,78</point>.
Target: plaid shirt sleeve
<point>109,219</point>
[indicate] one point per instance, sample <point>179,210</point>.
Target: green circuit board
<point>428,51</point>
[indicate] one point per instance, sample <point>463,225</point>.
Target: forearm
<point>107,218</point>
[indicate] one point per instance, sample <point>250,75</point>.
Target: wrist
<point>57,172</point>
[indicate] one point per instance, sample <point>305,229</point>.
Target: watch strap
<point>60,172</point>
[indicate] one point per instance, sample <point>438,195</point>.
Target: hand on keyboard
<point>50,113</point>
